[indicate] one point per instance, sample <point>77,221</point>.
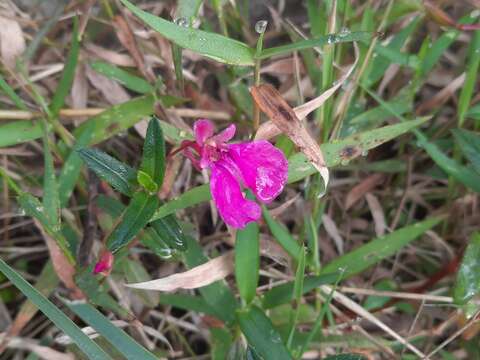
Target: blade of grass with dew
<point>72,167</point>
<point>378,249</point>
<point>262,337</point>
<point>469,143</point>
<point>153,158</point>
<point>471,78</point>
<point>217,295</point>
<point>247,261</point>
<point>7,89</point>
<point>214,46</point>
<point>123,77</point>
<point>282,235</point>
<point>467,283</point>
<point>135,217</point>
<point>121,176</point>
<point>317,42</point>
<point>88,346</point>
<point>127,346</point>
<point>297,294</point>
<point>18,132</point>
<point>66,81</point>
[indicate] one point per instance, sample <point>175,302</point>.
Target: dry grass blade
<point>269,129</point>
<point>43,352</point>
<point>282,115</point>
<point>202,275</point>
<point>360,311</point>
<point>358,191</point>
<point>377,214</point>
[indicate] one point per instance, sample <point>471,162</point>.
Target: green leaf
<point>214,46</point>
<point>118,118</point>
<point>217,295</point>
<point>7,89</point>
<point>135,217</point>
<point>467,284</point>
<point>145,181</point>
<point>247,261</point>
<point>169,230</point>
<point>72,167</point>
<point>51,200</point>
<point>471,77</point>
<point>189,198</point>
<point>469,143</point>
<point>125,78</point>
<point>18,132</point>
<point>109,169</point>
<point>155,243</point>
<point>282,235</point>
<point>463,174</point>
<point>65,83</point>
<point>378,249</point>
<point>344,150</point>
<point>153,159</point>
<point>283,293</point>
<point>263,338</point>
<point>317,42</point>
<point>88,346</point>
<point>114,335</point>
<point>297,294</point>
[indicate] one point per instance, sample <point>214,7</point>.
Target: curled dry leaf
<point>202,275</point>
<point>282,115</point>
<point>270,129</point>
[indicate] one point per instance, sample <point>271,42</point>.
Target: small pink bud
<point>104,264</point>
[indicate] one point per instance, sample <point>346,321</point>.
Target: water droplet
<point>182,133</point>
<point>39,208</point>
<point>332,38</point>
<point>344,32</point>
<point>364,152</point>
<point>261,26</point>
<point>181,21</point>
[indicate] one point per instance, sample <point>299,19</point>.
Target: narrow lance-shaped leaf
<point>64,323</point>
<point>125,78</point>
<point>51,201</point>
<point>212,45</point>
<point>469,143</point>
<point>136,216</point>
<point>109,169</point>
<point>169,230</point>
<point>153,159</point>
<point>247,261</point>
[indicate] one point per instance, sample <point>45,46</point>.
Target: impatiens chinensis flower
<point>104,264</point>
<point>256,165</point>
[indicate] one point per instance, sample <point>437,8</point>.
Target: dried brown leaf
<point>111,90</point>
<point>282,115</point>
<point>12,41</point>
<point>377,214</point>
<point>202,275</point>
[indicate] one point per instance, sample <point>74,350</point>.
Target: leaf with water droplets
<point>467,284</point>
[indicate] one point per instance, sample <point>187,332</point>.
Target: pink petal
<point>232,206</point>
<point>225,135</point>
<point>104,264</point>
<point>264,168</point>
<point>203,129</point>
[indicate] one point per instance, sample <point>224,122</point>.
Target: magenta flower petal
<point>232,205</point>
<point>264,168</point>
<point>225,135</point>
<point>203,129</point>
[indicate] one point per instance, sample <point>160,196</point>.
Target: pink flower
<point>104,264</point>
<point>257,165</point>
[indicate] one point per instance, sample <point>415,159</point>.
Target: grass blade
<point>214,46</point>
<point>17,132</point>
<point>88,346</point>
<point>12,94</point>
<point>469,143</point>
<point>115,336</point>
<point>125,78</point>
